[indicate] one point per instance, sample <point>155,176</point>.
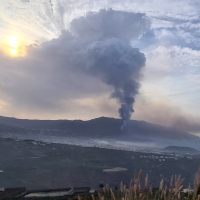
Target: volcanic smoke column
<point>99,44</point>
<point>119,65</point>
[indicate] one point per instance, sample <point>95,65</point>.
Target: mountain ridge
<point>102,125</point>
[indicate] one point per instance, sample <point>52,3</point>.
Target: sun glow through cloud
<point>13,51</point>
<point>13,42</point>
<point>13,45</point>
<point>29,30</point>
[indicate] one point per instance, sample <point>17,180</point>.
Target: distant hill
<point>100,128</point>
<point>180,149</point>
<point>10,129</point>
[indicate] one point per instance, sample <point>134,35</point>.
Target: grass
<point>136,191</point>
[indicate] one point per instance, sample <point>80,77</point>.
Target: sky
<point>48,59</point>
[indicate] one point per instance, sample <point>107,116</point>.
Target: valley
<point>39,165</point>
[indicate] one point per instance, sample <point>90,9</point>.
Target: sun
<point>13,45</point>
<point>13,52</point>
<point>13,42</point>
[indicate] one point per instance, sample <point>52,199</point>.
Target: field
<point>38,165</point>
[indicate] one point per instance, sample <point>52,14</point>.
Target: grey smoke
<point>119,65</point>
<point>98,45</point>
<point>107,24</point>
<point>108,55</point>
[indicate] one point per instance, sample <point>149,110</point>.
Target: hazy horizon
<point>124,74</point>
<point>197,134</point>
<point>50,70</point>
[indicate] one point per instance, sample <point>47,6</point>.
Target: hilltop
<point>180,149</point>
<point>101,128</point>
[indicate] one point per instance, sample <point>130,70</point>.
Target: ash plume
<point>118,65</point>
<point>109,55</point>
<point>99,44</point>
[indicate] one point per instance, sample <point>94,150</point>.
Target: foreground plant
<point>135,192</point>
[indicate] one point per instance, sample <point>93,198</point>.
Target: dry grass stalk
<point>146,181</point>
<point>107,188</point>
<point>143,198</point>
<point>131,184</point>
<point>134,192</point>
<point>79,198</point>
<point>124,188</point>
<point>177,190</point>
<point>139,187</point>
<point>161,185</point>
<point>177,181</point>
<point>137,176</point>
<point>189,187</point>
<point>162,194</point>
<point>196,181</point>
<point>156,196</point>
<point>112,194</point>
<point>135,188</point>
<point>121,187</point>
<point>99,196</point>
<point>126,194</point>
<point>171,181</point>
<point>179,195</point>
<point>150,190</point>
<point>175,178</point>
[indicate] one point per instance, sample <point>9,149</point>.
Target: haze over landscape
<point>90,90</point>
<point>48,73</point>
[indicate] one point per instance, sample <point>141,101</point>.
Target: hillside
<point>38,165</point>
<point>100,128</point>
<point>180,149</point>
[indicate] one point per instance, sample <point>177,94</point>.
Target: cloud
<point>164,112</point>
<point>111,58</point>
<point>65,68</point>
<point>110,24</point>
<point>173,73</point>
<point>171,46</point>
<point>43,20</point>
